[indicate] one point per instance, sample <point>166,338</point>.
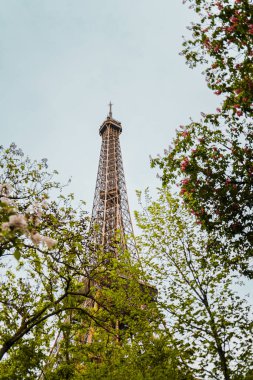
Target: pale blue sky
<point>63,61</point>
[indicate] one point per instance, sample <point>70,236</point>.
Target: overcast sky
<point>61,63</point>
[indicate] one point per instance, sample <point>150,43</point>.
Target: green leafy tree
<point>211,160</point>
<point>28,356</point>
<point>205,316</point>
<point>128,343</point>
<point>46,257</point>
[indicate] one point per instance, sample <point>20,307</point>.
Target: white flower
<point>37,221</point>
<point>5,189</point>
<point>49,241</point>
<point>39,213</point>
<point>5,226</point>
<point>36,238</point>
<point>18,222</point>
<point>29,209</point>
<point>6,201</point>
<point>44,204</point>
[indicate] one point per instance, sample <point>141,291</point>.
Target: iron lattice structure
<point>111,221</point>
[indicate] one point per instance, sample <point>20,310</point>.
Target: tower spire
<point>110,110</point>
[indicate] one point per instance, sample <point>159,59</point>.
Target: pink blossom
<point>36,238</point>
<point>218,4</point>
<point>228,181</point>
<point>5,189</point>
<point>233,19</point>
<point>5,226</point>
<point>184,163</point>
<point>230,28</point>
<point>185,181</point>
<point>239,113</point>
<point>183,191</point>
<point>6,200</point>
<point>218,92</point>
<point>18,222</point>
<point>49,241</point>
<point>185,133</point>
<point>207,43</point>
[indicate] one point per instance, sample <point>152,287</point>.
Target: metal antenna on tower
<point>110,110</point>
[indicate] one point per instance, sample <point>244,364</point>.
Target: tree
<point>222,40</point>
<point>205,316</point>
<point>127,343</point>
<point>45,251</point>
<point>146,353</point>
<point>211,160</point>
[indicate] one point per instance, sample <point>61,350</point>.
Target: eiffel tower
<point>110,213</point>
<point>111,226</point>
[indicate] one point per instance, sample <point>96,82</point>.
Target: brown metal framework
<point>110,215</point>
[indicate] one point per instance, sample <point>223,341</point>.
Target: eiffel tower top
<point>110,213</point>
<point>110,122</point>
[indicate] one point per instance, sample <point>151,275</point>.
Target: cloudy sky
<point>61,63</point>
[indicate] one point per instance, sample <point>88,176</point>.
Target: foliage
<point>148,360</point>
<point>127,343</point>
<point>211,160</point>
<point>49,238</point>
<point>204,315</point>
<point>56,284</point>
<point>222,39</point>
<point>27,357</point>
<point>213,173</point>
